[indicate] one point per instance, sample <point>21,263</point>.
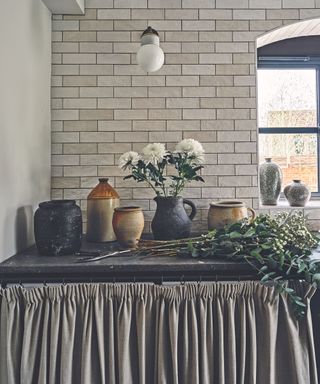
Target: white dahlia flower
<point>192,148</point>
<point>128,159</point>
<point>153,153</point>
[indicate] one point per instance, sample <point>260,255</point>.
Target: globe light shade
<point>150,56</point>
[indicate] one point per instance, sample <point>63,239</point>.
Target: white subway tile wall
<point>103,104</point>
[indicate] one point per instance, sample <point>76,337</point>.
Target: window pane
<point>287,98</point>
<point>295,153</point>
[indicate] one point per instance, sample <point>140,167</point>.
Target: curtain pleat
<point>208,333</point>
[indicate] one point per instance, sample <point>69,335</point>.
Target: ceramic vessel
<point>128,223</point>
<point>270,176</point>
<point>101,202</point>
<point>222,213</point>
<point>58,227</point>
<point>297,193</point>
<point>171,220</point>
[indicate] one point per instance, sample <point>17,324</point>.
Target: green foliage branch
<point>277,247</point>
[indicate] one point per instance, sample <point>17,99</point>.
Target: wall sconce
<point>150,56</point>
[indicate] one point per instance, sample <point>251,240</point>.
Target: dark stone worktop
<point>29,266</point>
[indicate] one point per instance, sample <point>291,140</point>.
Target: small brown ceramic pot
<point>128,223</point>
<point>222,213</point>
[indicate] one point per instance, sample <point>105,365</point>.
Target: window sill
<point>312,204</point>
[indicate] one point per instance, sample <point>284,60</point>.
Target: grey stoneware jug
<point>171,220</point>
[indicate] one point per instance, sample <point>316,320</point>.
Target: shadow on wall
<point>24,227</point>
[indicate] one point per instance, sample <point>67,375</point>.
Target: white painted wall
<point>25,54</point>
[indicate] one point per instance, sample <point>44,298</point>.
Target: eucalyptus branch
<point>281,286</point>
<point>278,248</point>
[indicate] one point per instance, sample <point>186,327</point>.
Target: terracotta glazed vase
<point>223,213</point>
<point>270,180</point>
<point>101,202</point>
<point>58,227</point>
<point>171,221</point>
<point>297,193</point>
<point>128,224</point>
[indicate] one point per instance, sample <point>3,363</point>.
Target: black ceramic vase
<point>171,221</point>
<point>58,227</point>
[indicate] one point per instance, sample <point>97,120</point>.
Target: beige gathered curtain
<point>215,333</point>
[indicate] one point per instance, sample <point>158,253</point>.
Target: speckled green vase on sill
<point>297,193</point>
<point>270,176</point>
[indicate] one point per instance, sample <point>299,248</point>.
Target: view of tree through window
<point>287,98</point>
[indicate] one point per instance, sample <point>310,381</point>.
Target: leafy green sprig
<point>277,247</point>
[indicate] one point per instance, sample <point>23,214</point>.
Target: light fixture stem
<point>150,31</point>
<point>150,39</point>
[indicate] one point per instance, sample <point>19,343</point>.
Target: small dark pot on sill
<point>58,227</point>
<point>171,221</point>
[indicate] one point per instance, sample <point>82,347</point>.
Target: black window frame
<point>296,62</point>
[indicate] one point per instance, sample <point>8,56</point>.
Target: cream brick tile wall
<point>103,104</point>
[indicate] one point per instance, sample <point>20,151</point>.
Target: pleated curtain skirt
<point>209,333</point>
